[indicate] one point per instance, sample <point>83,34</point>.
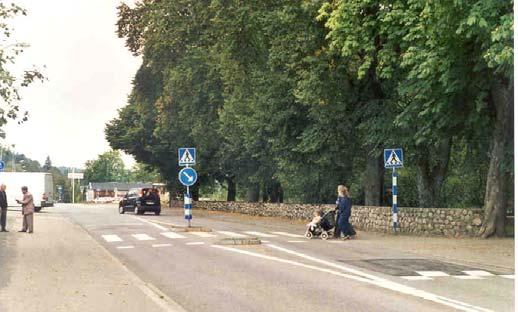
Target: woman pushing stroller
<point>344,205</point>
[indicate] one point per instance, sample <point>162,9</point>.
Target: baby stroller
<point>324,228</point>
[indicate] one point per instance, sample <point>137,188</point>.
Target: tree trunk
<point>495,202</point>
<point>374,180</point>
<point>252,194</point>
<point>430,178</point>
<point>275,192</point>
<point>231,189</point>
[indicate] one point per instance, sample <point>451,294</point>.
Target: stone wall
<point>448,222</point>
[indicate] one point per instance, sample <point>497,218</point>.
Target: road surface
<point>286,272</point>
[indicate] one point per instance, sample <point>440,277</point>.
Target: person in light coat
<point>27,210</point>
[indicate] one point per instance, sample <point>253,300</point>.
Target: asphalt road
<point>285,272</point>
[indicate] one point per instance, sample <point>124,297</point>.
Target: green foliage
<point>11,82</point>
<point>294,97</point>
<point>108,167</point>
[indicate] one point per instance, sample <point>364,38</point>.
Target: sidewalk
<point>491,253</point>
<point>61,268</point>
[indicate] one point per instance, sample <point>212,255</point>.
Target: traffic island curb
<point>191,228</point>
<point>240,241</point>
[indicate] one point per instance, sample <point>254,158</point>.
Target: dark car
<point>141,200</point>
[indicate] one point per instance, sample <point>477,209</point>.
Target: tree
<point>108,167</point>
<point>11,82</point>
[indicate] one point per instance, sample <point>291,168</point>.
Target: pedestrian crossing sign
<point>186,156</point>
<point>393,158</point>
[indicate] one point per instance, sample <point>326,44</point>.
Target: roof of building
<point>109,186</point>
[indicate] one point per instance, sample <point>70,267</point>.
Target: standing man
<point>27,210</point>
<point>3,208</point>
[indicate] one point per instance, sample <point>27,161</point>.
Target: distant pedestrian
<point>344,206</point>
<point>27,210</point>
<point>3,207</point>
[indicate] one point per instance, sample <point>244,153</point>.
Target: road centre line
<point>125,247</point>
<point>195,243</point>
<point>259,234</point>
<point>387,284</point>
<point>163,228</point>
<point>287,234</point>
<point>232,234</point>
<point>202,234</point>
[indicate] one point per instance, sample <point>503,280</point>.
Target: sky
<point>89,72</point>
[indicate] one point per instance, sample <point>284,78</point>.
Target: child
<point>317,216</point>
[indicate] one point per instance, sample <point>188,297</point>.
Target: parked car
<point>140,200</point>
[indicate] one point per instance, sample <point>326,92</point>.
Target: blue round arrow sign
<point>188,176</point>
<point>2,165</point>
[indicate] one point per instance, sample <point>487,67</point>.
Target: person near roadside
<point>27,210</point>
<point>3,208</point>
<point>344,205</point>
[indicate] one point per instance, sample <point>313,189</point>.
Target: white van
<point>40,185</point>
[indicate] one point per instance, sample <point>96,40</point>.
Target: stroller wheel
<point>309,235</point>
<point>324,235</point>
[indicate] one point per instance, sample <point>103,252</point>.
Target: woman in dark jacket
<point>344,205</point>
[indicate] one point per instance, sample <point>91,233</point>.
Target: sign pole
<point>73,187</point>
<point>187,176</point>
<point>394,199</point>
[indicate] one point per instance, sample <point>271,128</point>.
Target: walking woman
<point>344,206</point>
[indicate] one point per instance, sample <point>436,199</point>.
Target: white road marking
<point>265,241</point>
<point>163,228</point>
<point>297,241</point>
<point>125,247</point>
<point>172,235</point>
<point>143,237</point>
<point>432,273</point>
<point>195,243</point>
<point>387,284</point>
<point>160,245</point>
<point>202,234</point>
<point>417,278</point>
<point>112,238</point>
<point>507,276</point>
<point>468,277</point>
<point>259,234</point>
<point>288,234</point>
<point>232,234</point>
<point>478,273</point>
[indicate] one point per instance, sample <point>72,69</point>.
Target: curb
<point>240,241</point>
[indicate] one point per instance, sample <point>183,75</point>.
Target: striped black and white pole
<point>187,205</point>
<point>394,199</point>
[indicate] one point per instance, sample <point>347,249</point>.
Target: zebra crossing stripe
<point>112,238</point>
<point>125,247</point>
<point>288,234</point>
<point>160,245</point>
<point>172,235</point>
<point>195,243</point>
<point>202,234</point>
<point>508,276</point>
<point>478,273</point>
<point>417,278</point>
<point>432,273</point>
<point>232,234</point>
<point>143,237</point>
<point>259,234</point>
<point>468,277</point>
